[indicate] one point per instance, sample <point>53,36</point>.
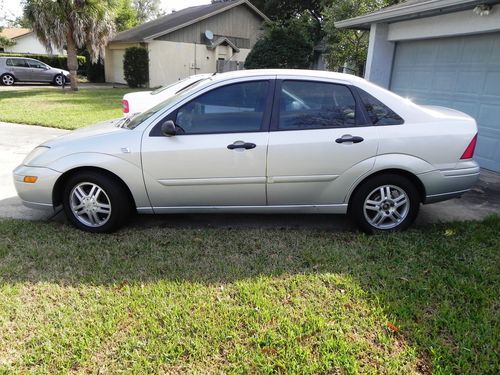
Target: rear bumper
<point>441,185</point>
<point>39,194</point>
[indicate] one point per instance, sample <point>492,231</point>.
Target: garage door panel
<point>461,73</point>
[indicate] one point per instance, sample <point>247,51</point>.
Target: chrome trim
<point>326,208</point>
<point>213,181</point>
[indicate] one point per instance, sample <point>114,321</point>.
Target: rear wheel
<point>8,79</point>
<point>58,80</point>
<point>96,203</point>
<point>385,203</point>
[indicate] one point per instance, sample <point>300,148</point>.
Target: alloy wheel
<point>90,204</point>
<point>386,207</point>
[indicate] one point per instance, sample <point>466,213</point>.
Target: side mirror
<point>168,129</point>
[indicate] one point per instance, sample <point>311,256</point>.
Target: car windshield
<point>134,121</point>
<point>163,88</point>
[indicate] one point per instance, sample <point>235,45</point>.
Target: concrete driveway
<point>16,141</point>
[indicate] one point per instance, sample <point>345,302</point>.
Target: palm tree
<point>72,24</point>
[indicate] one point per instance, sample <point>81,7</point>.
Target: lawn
<point>166,300</point>
<point>61,109</point>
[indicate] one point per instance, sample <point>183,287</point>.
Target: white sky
<point>10,9</point>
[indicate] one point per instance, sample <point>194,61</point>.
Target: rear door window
<point>18,63</point>
<point>315,105</point>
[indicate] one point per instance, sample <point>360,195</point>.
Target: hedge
<point>58,62</point>
<point>136,66</point>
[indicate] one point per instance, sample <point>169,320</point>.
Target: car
<point>21,69</point>
<point>260,141</point>
<point>136,102</point>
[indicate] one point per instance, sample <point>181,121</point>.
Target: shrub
<point>136,66</point>
<point>58,62</point>
<point>283,45</point>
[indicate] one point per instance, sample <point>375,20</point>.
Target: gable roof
<point>14,32</point>
<point>410,9</point>
<point>178,20</point>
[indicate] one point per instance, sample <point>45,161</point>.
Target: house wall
<point>29,43</point>
<point>172,61</point>
<point>384,36</point>
<point>238,22</point>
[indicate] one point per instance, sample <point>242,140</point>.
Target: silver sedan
<point>262,141</point>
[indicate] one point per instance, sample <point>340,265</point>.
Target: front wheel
<point>384,203</point>
<point>59,80</point>
<point>94,202</point>
<point>8,80</point>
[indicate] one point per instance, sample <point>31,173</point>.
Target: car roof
<point>289,73</point>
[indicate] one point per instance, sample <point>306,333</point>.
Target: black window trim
<point>266,118</point>
<point>369,120</point>
<point>362,119</point>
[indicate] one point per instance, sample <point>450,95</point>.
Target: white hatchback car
<point>136,102</point>
<point>261,141</point>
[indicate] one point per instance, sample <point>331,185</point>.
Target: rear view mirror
<point>168,129</point>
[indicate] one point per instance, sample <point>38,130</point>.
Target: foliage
<point>60,109</point>
<point>147,10</point>
<point>72,24</point>
<point>163,297</point>
<point>125,15</point>
<point>54,61</point>
<point>283,45</point>
<point>136,66</point>
<point>5,42</point>
<point>348,46</point>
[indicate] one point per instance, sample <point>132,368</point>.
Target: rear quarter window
<point>378,112</point>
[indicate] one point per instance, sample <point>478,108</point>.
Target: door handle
<point>349,138</point>
<point>240,144</point>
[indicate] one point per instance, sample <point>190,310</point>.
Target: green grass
<point>164,300</point>
<point>61,109</point>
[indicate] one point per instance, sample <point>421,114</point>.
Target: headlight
<point>37,151</point>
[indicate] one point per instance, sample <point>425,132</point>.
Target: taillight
<point>125,106</point>
<point>469,151</point>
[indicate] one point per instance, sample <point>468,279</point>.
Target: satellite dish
<point>209,35</point>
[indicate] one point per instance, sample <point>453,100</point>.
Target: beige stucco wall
<point>172,61</point>
<point>29,43</point>
<point>113,61</point>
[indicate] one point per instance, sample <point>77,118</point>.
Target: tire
<point>8,79</point>
<point>94,210</point>
<point>385,203</point>
<point>59,80</point>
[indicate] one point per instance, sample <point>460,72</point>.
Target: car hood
<point>87,132</point>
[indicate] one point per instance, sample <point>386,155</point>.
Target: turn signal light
<point>30,179</point>
<point>469,151</point>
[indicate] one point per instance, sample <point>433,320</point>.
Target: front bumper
<point>39,194</point>
<point>441,185</point>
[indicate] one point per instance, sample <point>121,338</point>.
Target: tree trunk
<point>72,60</point>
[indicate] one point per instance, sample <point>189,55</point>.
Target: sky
<point>11,9</point>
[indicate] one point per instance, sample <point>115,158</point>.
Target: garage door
<point>118,65</point>
<point>461,73</point>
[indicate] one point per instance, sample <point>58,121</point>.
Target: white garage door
<point>118,65</point>
<point>461,73</point>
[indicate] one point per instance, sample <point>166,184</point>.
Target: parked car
<point>260,141</point>
<point>21,69</point>
<point>136,102</point>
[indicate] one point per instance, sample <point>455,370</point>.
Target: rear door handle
<point>240,144</point>
<point>349,138</point>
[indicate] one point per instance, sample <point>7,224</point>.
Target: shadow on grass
<point>439,284</point>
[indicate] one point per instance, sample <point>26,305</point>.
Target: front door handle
<point>240,144</point>
<point>349,138</point>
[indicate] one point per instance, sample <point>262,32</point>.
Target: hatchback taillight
<point>469,151</point>
<point>125,106</point>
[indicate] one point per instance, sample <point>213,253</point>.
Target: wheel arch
<point>57,192</point>
<point>401,172</point>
